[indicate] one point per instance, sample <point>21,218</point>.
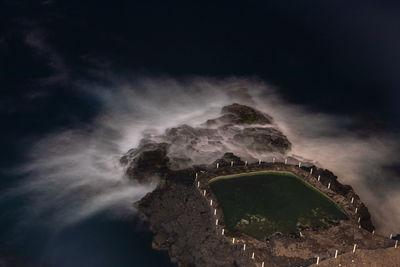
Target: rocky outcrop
<point>388,257</point>
<point>184,224</point>
<point>227,160</point>
<point>241,114</point>
<point>263,140</point>
<point>181,218</point>
<point>241,129</point>
<point>148,160</point>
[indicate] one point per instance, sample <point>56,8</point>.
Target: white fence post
<point>223,231</point>
<point>317,260</point>
<point>336,254</point>
<point>329,185</point>
<point>216,222</point>
<point>245,163</point>
<point>356,210</point>
<point>285,161</point>
<point>311,171</point>
<point>252,256</point>
<point>204,192</point>
<point>217,165</point>
<point>354,248</point>
<point>233,240</point>
<point>352,200</point>
<point>273,160</point>
<point>197,175</point>
<point>231,163</point>
<point>391,235</point>
<point>198,184</point>
<point>210,202</point>
<point>319,178</point>
<point>299,164</point>
<point>262,264</point>
<point>259,162</point>
<point>395,244</point>
<point>244,246</point>
<point>215,211</point>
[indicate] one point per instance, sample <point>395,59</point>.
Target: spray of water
<point>74,174</point>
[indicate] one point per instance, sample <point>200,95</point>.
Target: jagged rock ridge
<point>241,129</point>
<point>182,221</point>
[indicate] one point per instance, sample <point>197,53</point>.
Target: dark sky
<point>332,56</point>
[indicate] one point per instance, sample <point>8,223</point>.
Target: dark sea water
<point>339,58</point>
<point>97,241</point>
<point>100,239</point>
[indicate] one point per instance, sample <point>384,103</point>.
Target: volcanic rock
<point>245,115</point>
<point>227,160</point>
<point>148,160</point>
<point>240,130</point>
<point>180,215</point>
<point>184,223</point>
<point>262,140</point>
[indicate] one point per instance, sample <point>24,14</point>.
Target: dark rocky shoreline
<point>242,128</point>
<point>179,213</point>
<point>183,222</point>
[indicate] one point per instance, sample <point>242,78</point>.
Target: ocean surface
<point>32,217</point>
<point>100,239</point>
<point>96,241</point>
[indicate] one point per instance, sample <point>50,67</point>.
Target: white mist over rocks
<point>358,159</point>
<point>73,174</point>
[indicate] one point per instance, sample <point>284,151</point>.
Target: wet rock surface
<point>241,114</point>
<point>184,221</point>
<point>241,129</point>
<point>263,139</point>
<point>389,257</point>
<point>148,160</point>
